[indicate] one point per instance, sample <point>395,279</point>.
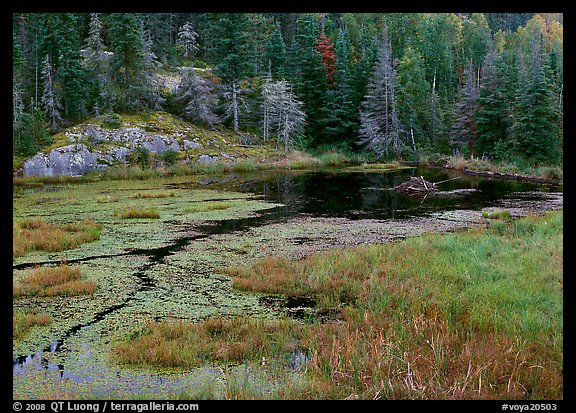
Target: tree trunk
<point>235,105</point>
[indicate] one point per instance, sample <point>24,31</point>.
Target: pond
<point>165,269</point>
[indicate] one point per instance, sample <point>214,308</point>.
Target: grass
<point>23,321</point>
<point>216,339</point>
<point>132,212</point>
<point>497,214</point>
<point>209,206</point>
<point>62,280</point>
<point>475,314</point>
<point>35,234</point>
<point>144,195</point>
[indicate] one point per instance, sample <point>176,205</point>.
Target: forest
<point>396,85</point>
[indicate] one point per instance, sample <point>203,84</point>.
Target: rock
<point>207,159</point>
<point>191,144</point>
<point>70,160</point>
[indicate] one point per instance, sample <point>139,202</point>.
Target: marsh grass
<point>35,234</point>
<point>216,339</point>
<point>62,280</point>
<point>145,195</point>
<point>23,321</point>
<point>133,212</point>
<point>497,214</point>
<point>476,314</point>
<point>209,206</point>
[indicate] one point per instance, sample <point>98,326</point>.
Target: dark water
<point>351,195</point>
<point>369,195</point>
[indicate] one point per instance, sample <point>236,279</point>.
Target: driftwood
<point>417,185</point>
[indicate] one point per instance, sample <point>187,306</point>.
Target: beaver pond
<point>165,268</point>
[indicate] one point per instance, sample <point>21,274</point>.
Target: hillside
<point>153,138</point>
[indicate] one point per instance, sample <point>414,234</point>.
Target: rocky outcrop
<point>96,148</point>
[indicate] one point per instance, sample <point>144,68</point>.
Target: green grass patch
<point>144,195</point>
<point>35,234</point>
<point>497,214</point>
<point>23,321</point>
<point>208,206</point>
<point>132,212</point>
<point>62,280</point>
<point>462,315</point>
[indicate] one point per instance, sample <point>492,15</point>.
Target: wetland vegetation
<point>269,284</point>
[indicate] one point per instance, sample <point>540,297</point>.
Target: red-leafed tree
<point>326,49</point>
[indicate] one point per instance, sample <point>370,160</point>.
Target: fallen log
<point>416,185</point>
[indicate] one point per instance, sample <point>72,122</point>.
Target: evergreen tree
<point>413,96</point>
<point>199,96</point>
<point>97,60</point>
<point>276,53</point>
<point>187,40</point>
<point>464,132</point>
<point>281,110</point>
<point>232,52</point>
<point>492,115</point>
<point>50,98</point>
<point>380,129</point>
<point>535,124</point>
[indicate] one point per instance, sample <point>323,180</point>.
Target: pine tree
<point>492,115</point>
<point>276,53</point>
<point>187,40</point>
<point>380,129</point>
<point>464,132</point>
<point>199,97</point>
<point>281,110</point>
<point>232,51</point>
<point>97,60</point>
<point>535,124</point>
<point>50,98</point>
<point>413,96</point>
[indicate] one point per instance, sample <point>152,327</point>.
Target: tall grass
<point>53,281</point>
<point>33,234</point>
<point>476,314</point>
<point>132,212</point>
<point>216,339</point>
<point>23,321</point>
<point>209,206</point>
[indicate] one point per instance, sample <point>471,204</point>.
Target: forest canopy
<point>396,84</point>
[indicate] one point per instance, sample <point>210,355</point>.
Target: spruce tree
<point>464,133</point>
<point>380,129</point>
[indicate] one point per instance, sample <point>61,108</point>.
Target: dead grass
<point>35,234</point>
<point>62,280</point>
<point>216,339</point>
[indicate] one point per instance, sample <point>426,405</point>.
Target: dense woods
<point>396,85</point>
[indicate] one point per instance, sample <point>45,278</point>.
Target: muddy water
<point>363,200</point>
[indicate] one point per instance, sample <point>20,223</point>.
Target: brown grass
<point>22,322</point>
<point>35,234</point>
<point>216,339</point>
<point>132,212</point>
<point>62,280</point>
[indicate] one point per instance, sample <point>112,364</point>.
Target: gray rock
<point>207,159</point>
<point>191,144</point>
<point>70,160</point>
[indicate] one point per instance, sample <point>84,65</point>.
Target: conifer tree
<point>187,40</point>
<point>464,132</point>
<point>276,53</point>
<point>380,129</point>
<point>50,98</point>
<point>232,51</point>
